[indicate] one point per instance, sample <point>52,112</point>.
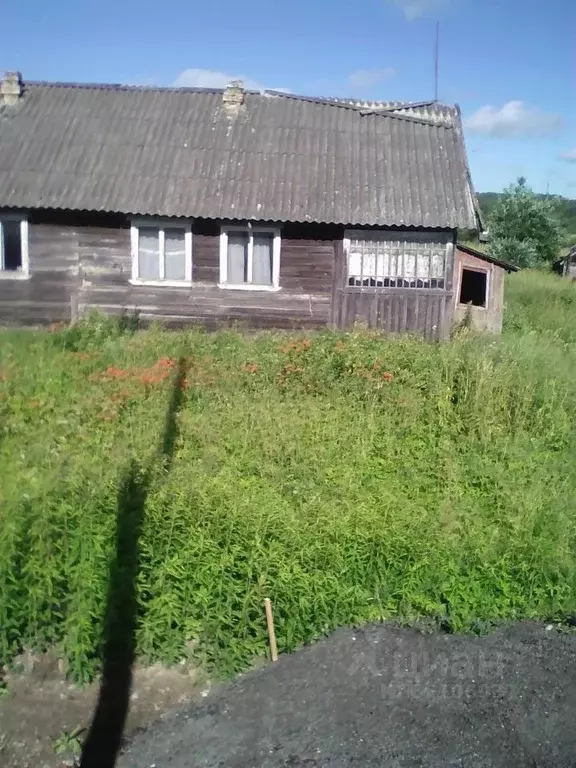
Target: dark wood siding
<point>83,261</point>
<point>306,266</point>
<point>47,296</point>
<point>395,310</point>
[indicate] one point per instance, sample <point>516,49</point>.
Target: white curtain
<point>410,266</point>
<point>174,254</point>
<point>369,265</point>
<point>437,264</point>
<point>262,258</point>
<point>374,260</point>
<point>148,253</point>
<point>355,264</point>
<point>237,257</point>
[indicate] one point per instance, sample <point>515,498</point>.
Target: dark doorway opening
<point>473,287</point>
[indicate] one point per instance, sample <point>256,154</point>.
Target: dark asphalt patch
<point>386,696</point>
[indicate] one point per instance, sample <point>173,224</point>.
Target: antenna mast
<point>436,60</point>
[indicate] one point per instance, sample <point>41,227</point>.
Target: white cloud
<point>569,156</point>
<point>368,78</point>
<point>514,119</point>
<point>414,9</point>
<point>211,78</point>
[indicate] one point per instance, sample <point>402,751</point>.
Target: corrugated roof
<point>486,257</point>
<point>180,152</point>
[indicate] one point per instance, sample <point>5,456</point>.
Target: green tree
<point>524,227</point>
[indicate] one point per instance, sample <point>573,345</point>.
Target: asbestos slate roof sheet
<point>182,152</point>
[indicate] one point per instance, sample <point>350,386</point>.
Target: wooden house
<point>216,206</point>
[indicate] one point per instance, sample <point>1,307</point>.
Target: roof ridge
<point>347,103</point>
<point>363,107</point>
<point>394,110</point>
<point>350,103</point>
<point>116,86</point>
<point>382,108</point>
<point>388,105</point>
<point>409,118</point>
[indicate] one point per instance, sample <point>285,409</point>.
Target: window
<point>161,252</point>
<point>13,248</point>
<point>396,259</point>
<point>250,258</point>
<point>473,287</point>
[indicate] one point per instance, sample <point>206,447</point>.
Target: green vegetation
<point>524,228</point>
<point>69,745</point>
<point>543,305</point>
<point>565,208</point>
<point>348,477</point>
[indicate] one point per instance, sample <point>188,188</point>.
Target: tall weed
<point>349,477</point>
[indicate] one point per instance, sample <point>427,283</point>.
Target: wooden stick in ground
<point>271,632</point>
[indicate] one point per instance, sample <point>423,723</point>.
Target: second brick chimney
<point>233,96</point>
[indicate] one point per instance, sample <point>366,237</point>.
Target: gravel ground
<point>386,696</point>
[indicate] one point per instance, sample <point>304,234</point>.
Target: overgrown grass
<point>348,477</point>
<point>539,302</point>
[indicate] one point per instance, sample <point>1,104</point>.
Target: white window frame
<point>161,225</point>
<point>485,271</point>
<point>24,272</point>
<point>251,230</point>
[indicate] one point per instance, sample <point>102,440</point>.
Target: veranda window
<point>396,259</point>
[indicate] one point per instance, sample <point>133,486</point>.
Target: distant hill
<point>566,208</point>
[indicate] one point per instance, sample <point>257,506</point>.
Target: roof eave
<point>486,257</point>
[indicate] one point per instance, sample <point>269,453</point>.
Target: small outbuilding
<point>479,288</point>
<point>567,265</point>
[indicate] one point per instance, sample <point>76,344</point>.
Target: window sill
<point>162,283</point>
<point>249,287</point>
<point>5,275</point>
<point>474,306</point>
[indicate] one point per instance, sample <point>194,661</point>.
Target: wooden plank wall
<point>83,261</point>
<point>306,265</point>
<point>396,310</point>
<point>47,295</point>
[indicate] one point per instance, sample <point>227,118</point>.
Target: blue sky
<point>510,64</point>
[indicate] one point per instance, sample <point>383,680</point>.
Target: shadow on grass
<point>104,738</point>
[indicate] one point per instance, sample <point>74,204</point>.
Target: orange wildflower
<point>166,362</point>
<point>296,346</point>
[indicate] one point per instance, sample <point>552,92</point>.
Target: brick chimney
<point>233,95</point>
<point>11,88</point>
